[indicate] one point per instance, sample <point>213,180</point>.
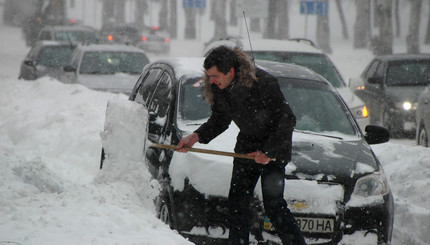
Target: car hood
<point>117,83</point>
<point>315,158</point>
<point>404,93</point>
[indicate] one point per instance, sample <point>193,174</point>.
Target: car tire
<point>164,209</point>
<point>422,137</point>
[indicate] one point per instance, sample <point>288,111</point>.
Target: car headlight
<point>371,185</point>
<point>406,105</point>
<point>360,112</point>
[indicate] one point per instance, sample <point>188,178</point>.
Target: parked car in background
<point>46,58</point>
<point>390,85</point>
<point>71,33</point>
<point>423,118</point>
<point>301,52</point>
<point>155,41</point>
<point>335,185</point>
<point>125,33</point>
<point>106,67</point>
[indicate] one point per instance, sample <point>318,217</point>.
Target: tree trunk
<point>173,27</point>
<point>427,38</point>
<point>108,11</point>
<point>163,15</point>
<point>190,23</point>
<point>323,33</point>
<point>120,11</point>
<point>283,20</point>
<point>220,19</point>
<point>397,17</point>
<point>271,20</point>
<point>362,24</point>
<point>141,10</point>
<point>383,44</point>
<point>255,25</point>
<point>412,39</point>
<point>342,20</point>
<point>233,18</point>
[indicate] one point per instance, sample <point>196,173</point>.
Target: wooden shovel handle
<point>206,151</point>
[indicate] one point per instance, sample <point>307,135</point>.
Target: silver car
<point>114,68</point>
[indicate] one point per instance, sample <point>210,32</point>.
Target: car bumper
<point>199,217</point>
<point>403,121</point>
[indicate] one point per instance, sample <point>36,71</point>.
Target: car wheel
<point>164,209</point>
<point>422,137</point>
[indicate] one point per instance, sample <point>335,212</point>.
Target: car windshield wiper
<point>314,133</point>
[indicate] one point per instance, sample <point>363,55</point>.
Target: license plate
<point>307,224</point>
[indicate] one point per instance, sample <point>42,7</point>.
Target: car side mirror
<point>375,80</point>
<point>376,134</point>
<point>69,68</point>
<point>29,63</point>
<point>355,84</point>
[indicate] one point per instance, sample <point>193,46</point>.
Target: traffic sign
<point>318,7</point>
<point>199,4</point>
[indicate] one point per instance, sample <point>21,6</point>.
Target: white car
<point>108,67</point>
<point>304,53</point>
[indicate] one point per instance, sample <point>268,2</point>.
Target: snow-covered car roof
<point>110,47</point>
<point>267,45</point>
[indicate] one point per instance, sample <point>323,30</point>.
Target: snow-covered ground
<point>52,192</point>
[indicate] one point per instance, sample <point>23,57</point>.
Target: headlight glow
<point>371,185</point>
<point>407,105</point>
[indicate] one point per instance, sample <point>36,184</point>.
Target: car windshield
<point>55,56</point>
<point>108,62</point>
<point>316,107</point>
<point>76,36</point>
<point>319,63</point>
<point>412,73</point>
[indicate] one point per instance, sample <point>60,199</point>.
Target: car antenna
<point>249,38</point>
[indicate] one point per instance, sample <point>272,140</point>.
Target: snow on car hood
<point>315,158</point>
<point>116,83</point>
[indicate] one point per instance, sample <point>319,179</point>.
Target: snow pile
<point>408,172</point>
<point>51,190</point>
<point>124,141</point>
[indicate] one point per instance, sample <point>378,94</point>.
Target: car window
<point>316,107</point>
<point>160,102</point>
<point>319,63</point>
<point>408,74</point>
<point>55,56</point>
<point>95,62</point>
<point>148,86</point>
<point>372,68</point>
<point>76,36</point>
<point>193,105</point>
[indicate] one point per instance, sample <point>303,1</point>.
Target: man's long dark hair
<point>224,58</point>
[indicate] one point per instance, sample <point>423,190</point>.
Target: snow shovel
<point>206,151</point>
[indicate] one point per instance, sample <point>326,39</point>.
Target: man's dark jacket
<point>261,112</point>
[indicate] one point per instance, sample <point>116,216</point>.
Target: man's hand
<point>259,157</point>
<point>187,141</point>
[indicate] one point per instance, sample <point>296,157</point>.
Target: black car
<point>423,118</point>
<point>46,58</point>
<point>335,185</point>
<point>70,33</point>
<point>390,85</point>
<point>120,33</point>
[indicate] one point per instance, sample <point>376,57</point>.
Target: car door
<point>156,93</point>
